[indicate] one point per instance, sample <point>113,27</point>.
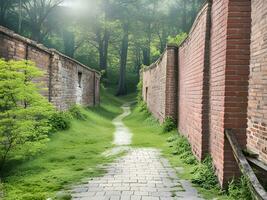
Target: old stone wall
<point>68,82</point>
<point>213,69</point>
<point>257,104</point>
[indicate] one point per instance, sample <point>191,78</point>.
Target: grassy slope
<point>69,156</point>
<point>148,133</point>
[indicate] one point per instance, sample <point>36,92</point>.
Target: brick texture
<point>160,85</point>
<point>257,106</point>
<point>60,72</point>
<point>192,120</point>
<point>213,74</point>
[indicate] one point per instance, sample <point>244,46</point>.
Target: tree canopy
<point>113,36</point>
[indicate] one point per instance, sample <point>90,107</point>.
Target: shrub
<point>24,113</point>
<point>239,189</point>
<point>142,107</point>
<point>76,112</point>
<point>178,39</point>
<point>204,175</point>
<point>168,125</point>
<point>60,121</point>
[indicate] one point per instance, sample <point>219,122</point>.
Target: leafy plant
<point>60,121</point>
<point>239,189</point>
<point>24,112</point>
<point>76,112</point>
<point>204,175</point>
<point>178,39</point>
<point>168,125</point>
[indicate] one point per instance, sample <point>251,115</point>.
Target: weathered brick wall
<point>257,105</point>
<point>61,72</point>
<point>154,87</point>
<point>229,69</point>
<point>160,85</point>
<point>213,69</point>
<point>192,120</point>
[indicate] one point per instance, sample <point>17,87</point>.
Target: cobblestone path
<point>142,174</point>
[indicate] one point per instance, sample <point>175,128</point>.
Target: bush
<point>142,107</point>
<point>60,121</point>
<point>168,125</point>
<point>239,189</point>
<point>76,112</point>
<point>204,175</point>
<point>25,113</point>
<point>178,39</point>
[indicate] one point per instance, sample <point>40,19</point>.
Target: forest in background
<point>113,36</point>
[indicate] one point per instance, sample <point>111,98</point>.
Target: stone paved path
<point>142,174</point>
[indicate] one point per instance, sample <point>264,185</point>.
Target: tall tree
<point>38,12</point>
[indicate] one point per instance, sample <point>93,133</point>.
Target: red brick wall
<point>217,82</point>
<point>192,87</point>
<point>229,69</point>
<point>160,85</point>
<point>213,69</point>
<point>154,87</point>
<point>61,72</point>
<point>257,106</point>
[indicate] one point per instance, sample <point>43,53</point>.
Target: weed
<point>204,175</point>
<point>60,121</point>
<point>239,189</point>
<point>76,112</point>
<point>168,125</point>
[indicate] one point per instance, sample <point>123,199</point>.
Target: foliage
<point>69,157</point>
<point>24,116</point>
<point>104,34</point>
<point>76,112</point>
<point>60,121</point>
<point>168,125</point>
<point>239,189</point>
<point>178,39</point>
<point>204,175</point>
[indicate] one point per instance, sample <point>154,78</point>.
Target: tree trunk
<point>184,15</point>
<point>36,33</point>
<point>123,61</point>
<point>105,50</point>
<point>146,56</point>
<point>69,43</point>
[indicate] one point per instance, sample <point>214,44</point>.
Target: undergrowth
<point>239,189</point>
<point>148,133</point>
<point>169,125</point>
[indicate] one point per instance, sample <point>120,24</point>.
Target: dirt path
<point>142,174</point>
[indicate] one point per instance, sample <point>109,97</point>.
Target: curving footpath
<point>142,174</point>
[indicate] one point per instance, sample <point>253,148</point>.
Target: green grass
<point>69,156</point>
<point>148,133</point>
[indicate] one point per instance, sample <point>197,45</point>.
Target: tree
<point>122,90</point>
<point>24,113</point>
<point>37,13</point>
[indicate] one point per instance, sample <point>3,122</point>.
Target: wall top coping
<point>41,47</point>
<point>155,64</point>
<point>200,13</point>
<point>175,46</point>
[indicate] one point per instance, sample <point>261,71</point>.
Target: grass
<point>148,133</point>
<point>69,156</point>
